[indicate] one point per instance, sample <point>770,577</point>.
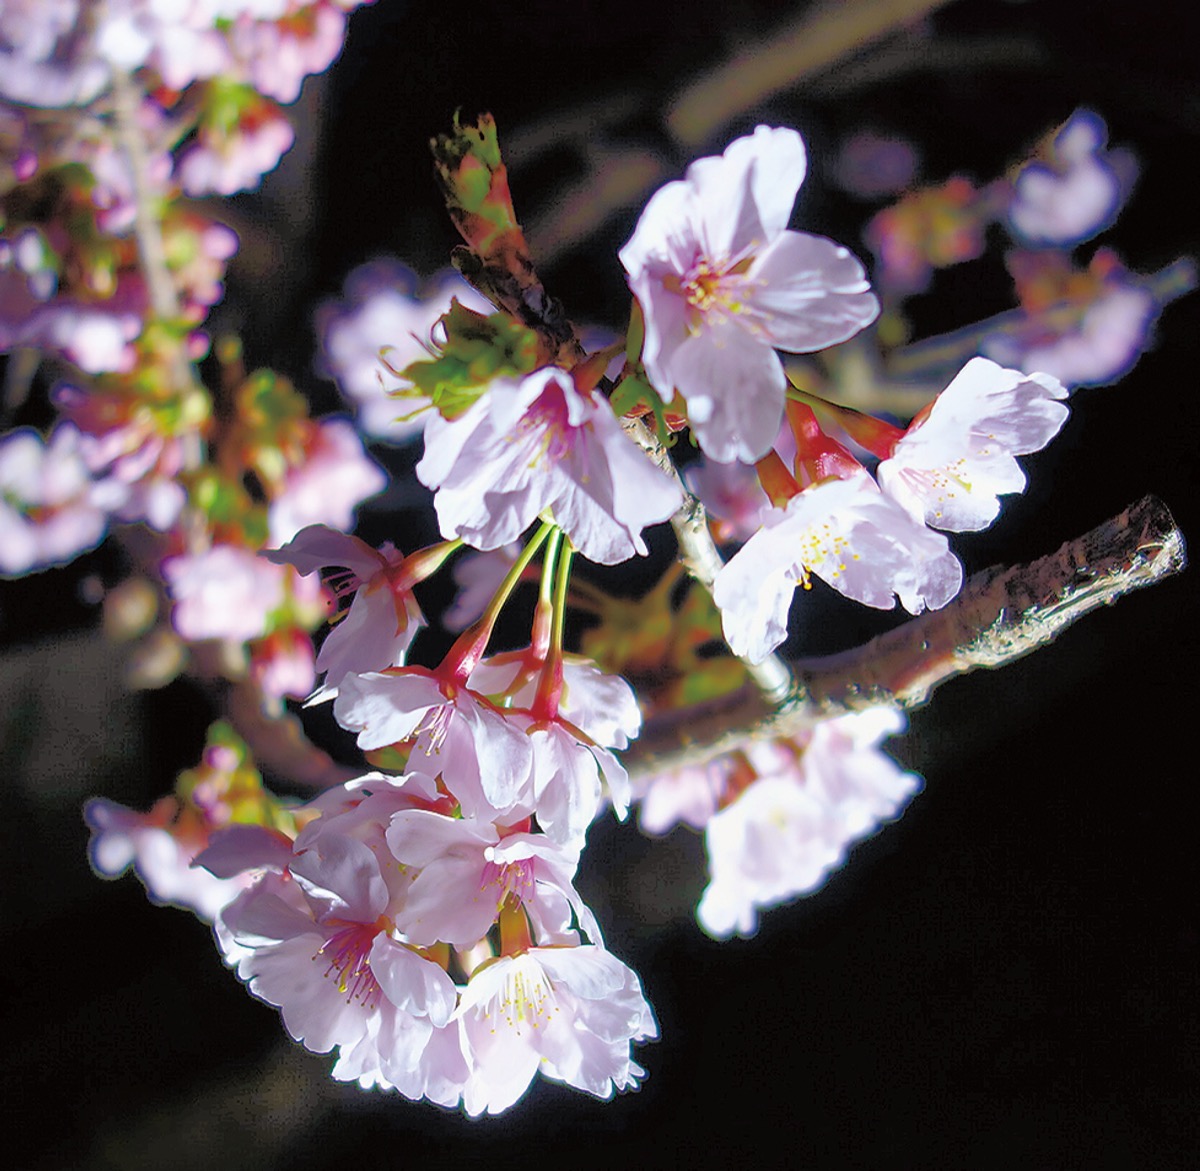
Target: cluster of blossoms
<point>1086,327</point>
<point>779,815</point>
<point>420,920</point>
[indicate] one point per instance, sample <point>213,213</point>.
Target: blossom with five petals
<point>567,1012</point>
<point>849,534</point>
<point>383,617</point>
<point>722,284</point>
<point>540,446</point>
<point>957,458</point>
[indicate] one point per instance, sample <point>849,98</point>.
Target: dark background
<point>1004,978</point>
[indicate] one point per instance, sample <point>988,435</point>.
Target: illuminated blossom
<point>569,1013</point>
<point>467,870</point>
<point>791,826</point>
<point>319,944</point>
<point>384,616</point>
<point>850,535</point>
<point>722,284</point>
<point>539,446</point>
<point>955,460</point>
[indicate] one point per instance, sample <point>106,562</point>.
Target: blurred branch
<point>763,68</point>
<point>618,176</point>
<point>1000,615</point>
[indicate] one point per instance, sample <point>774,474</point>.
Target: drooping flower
<point>383,617</point>
<point>484,756</point>
<point>722,283</point>
<point>466,871</point>
<point>957,458</point>
<point>538,446</point>
<point>850,535</point>
<point>784,833</point>
<point>570,1013</point>
<point>317,941</point>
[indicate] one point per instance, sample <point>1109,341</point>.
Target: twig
<point>1000,615</point>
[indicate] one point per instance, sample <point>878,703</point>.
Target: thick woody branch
<point>1000,615</point>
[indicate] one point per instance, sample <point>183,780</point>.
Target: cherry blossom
<point>851,536</point>
<point>956,459</point>
<point>782,835</point>
<point>51,509</point>
<point>327,486</point>
<point>1076,190</point>
<point>386,312</point>
<point>570,1013</point>
<point>223,592</point>
<point>319,945</point>
<point>467,870</point>
<point>161,855</point>
<point>722,283</point>
<point>485,757</point>
<point>1102,345</point>
<point>600,705</point>
<point>539,446</point>
<point>384,616</point>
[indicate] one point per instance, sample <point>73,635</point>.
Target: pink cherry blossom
<point>1076,191</point>
<point>722,283</point>
<point>467,870</point>
<point>238,159</point>
<point>954,462</point>
<point>161,858</point>
<point>851,536</point>
<point>484,757</point>
<point>225,592</point>
<point>1099,348</point>
<point>386,313</point>
<point>569,781</point>
<point>539,446</point>
<point>600,705</point>
<point>335,477</point>
<point>383,618</point>
<point>569,1012</point>
<point>319,944</point>
<point>784,833</point>
<point>51,509</point>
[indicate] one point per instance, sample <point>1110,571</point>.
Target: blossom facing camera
<point>539,445</point>
<point>955,461</point>
<point>849,534</point>
<point>723,283</point>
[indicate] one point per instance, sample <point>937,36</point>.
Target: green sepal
<point>478,349</point>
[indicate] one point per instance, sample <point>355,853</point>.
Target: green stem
<point>463,657</point>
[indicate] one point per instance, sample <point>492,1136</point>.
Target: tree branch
<point>1000,615</point>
